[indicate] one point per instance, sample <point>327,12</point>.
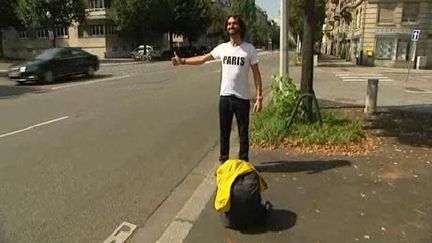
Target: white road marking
<point>33,126</point>
<point>357,74</point>
<point>122,233</point>
<point>362,77</point>
<point>89,82</point>
<point>366,79</point>
<point>418,92</point>
<point>116,64</point>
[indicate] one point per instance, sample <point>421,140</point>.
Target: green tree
<point>138,18</point>
<point>218,11</point>
<point>132,19</point>
<point>309,25</point>
<point>8,18</point>
<point>297,16</point>
<point>50,14</point>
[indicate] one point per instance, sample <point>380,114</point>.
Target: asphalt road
<point>81,156</point>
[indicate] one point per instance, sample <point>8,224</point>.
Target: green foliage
<point>8,15</point>
<point>336,129</point>
<point>216,29</point>
<point>138,18</point>
<point>33,13</point>
<point>285,94</point>
<point>270,124</point>
<point>297,15</point>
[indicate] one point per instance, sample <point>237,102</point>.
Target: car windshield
<point>48,54</point>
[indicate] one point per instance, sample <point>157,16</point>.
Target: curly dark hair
<point>241,23</point>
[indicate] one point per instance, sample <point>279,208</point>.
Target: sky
<point>271,7</point>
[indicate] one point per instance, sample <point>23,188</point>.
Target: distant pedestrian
<point>237,56</point>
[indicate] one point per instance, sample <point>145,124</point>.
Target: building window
<point>357,19</point>
<point>23,34</point>
<point>402,50</point>
<point>62,32</point>
<point>360,18</point>
<point>385,48</point>
<point>410,12</point>
<point>99,30</point>
<point>97,4</point>
<point>41,33</point>
<point>386,12</point>
<point>111,30</point>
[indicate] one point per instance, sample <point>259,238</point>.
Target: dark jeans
<point>229,106</point>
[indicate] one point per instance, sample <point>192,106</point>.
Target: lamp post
<point>50,30</point>
<point>284,47</point>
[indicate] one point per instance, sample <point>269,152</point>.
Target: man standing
<point>236,56</point>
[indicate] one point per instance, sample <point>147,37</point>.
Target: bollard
<point>371,96</point>
<point>315,60</point>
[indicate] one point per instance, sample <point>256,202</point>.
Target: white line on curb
<point>33,126</point>
<point>89,82</point>
<point>179,228</point>
<point>122,233</point>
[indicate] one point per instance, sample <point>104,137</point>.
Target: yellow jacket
<point>226,175</point>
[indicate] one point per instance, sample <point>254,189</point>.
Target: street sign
<point>415,35</point>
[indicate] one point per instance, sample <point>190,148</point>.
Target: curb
<point>3,73</point>
<point>166,222</point>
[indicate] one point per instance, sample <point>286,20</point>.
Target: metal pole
<point>411,60</point>
<point>371,96</point>
<point>284,47</point>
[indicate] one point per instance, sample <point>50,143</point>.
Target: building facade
<point>378,32</point>
<point>97,35</point>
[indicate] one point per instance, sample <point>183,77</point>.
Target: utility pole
<point>284,38</point>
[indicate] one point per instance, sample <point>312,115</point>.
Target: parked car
<point>185,51</point>
<point>55,63</point>
<point>147,52</point>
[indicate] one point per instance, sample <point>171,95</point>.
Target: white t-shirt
<point>236,61</point>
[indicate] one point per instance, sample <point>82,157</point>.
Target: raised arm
<point>198,60</point>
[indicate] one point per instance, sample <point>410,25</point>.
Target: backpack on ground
<point>239,198</point>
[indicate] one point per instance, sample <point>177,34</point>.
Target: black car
<point>55,63</point>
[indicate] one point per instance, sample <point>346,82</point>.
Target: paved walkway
<point>382,197</point>
<point>379,198</point>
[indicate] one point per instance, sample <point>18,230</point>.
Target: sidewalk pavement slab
<point>384,197</point>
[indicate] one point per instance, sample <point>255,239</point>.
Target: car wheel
<point>90,71</point>
<point>21,82</point>
<point>48,77</point>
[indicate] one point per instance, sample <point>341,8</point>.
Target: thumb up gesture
<point>176,60</point>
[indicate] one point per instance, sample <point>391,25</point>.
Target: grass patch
<point>269,126</point>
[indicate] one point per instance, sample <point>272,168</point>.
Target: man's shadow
<point>311,167</point>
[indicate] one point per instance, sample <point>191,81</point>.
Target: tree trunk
<point>54,44</point>
<point>307,54</point>
<point>1,42</point>
<point>171,40</point>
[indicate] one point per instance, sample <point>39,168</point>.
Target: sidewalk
<point>332,61</point>
<point>383,197</point>
<point>4,69</point>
